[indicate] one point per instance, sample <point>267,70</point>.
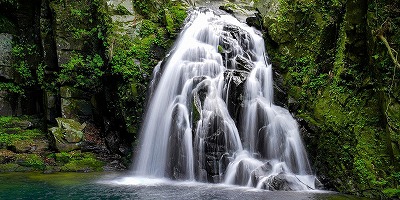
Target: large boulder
<point>68,135</point>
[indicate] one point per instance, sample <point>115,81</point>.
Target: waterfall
<point>211,115</point>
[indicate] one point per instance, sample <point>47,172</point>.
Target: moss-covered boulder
<point>67,135</point>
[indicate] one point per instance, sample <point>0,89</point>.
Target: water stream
<point>211,116</point>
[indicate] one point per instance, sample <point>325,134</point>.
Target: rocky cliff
<point>338,63</point>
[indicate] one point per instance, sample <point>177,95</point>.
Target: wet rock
<point>241,177</point>
<point>254,21</point>
<point>284,182</point>
<point>280,96</point>
<point>260,172</point>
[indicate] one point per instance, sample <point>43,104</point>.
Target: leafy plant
<point>82,71</point>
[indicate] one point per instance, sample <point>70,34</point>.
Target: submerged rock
<point>285,182</point>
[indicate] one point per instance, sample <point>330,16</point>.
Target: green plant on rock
<point>133,58</point>
<point>83,72</point>
<point>24,67</point>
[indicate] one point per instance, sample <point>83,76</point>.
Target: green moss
<point>83,165</point>
<point>76,161</point>
<point>30,160</point>
<point>220,49</point>
<point>9,167</point>
<point>340,52</point>
<point>13,130</point>
<point>343,84</point>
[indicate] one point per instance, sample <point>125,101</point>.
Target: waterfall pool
<point>110,185</point>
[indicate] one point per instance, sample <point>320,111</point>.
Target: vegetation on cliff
<point>77,60</point>
<point>341,80</point>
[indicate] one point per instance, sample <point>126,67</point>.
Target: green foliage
<point>147,8</point>
<point>9,2</point>
<point>392,193</point>
<point>82,72</point>
<point>23,55</point>
<point>11,88</point>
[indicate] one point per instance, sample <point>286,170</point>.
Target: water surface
<point>117,186</point>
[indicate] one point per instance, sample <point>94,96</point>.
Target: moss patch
<point>77,162</point>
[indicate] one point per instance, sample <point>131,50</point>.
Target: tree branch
<point>389,49</point>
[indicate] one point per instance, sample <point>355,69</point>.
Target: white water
<point>193,131</point>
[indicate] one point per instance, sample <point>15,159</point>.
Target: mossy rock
<point>35,145</point>
<point>76,108</point>
<point>20,140</point>
<point>72,129</point>
<point>60,143</point>
<point>67,135</point>
<point>33,161</point>
<point>22,122</point>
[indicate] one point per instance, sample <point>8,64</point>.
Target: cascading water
<point>211,116</point>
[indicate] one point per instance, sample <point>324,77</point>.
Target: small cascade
<point>211,115</point>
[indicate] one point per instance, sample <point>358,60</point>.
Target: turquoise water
<point>115,186</point>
